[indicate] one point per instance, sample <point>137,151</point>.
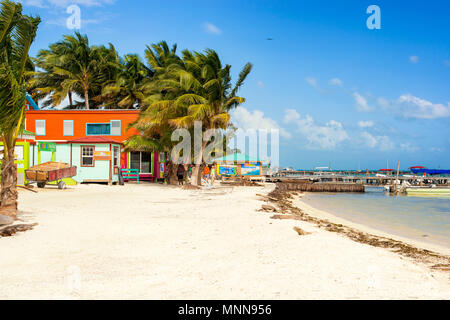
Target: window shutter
<point>68,128</point>
<point>115,128</point>
<point>40,127</point>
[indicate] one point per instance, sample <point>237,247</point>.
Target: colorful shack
<point>22,154</point>
<point>22,149</point>
<point>93,136</point>
<point>238,164</point>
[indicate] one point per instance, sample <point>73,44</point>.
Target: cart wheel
<point>41,184</point>
<point>61,185</point>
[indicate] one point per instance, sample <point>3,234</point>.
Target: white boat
<point>428,191</point>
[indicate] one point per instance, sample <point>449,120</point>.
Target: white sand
<point>158,242</point>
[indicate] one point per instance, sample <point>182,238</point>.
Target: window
<point>40,127</point>
<point>141,161</point>
<point>68,128</point>
<point>115,128</point>
<point>98,129</point>
<point>87,156</point>
<point>116,156</point>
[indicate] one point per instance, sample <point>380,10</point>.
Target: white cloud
<point>436,149</point>
<point>414,59</point>
<point>365,124</point>
<point>260,84</point>
<point>245,120</point>
<point>384,103</point>
<point>335,82</point>
<point>210,28</point>
<point>327,136</point>
<point>408,147</point>
<point>312,82</point>
<point>361,103</point>
<point>383,143</point>
<point>414,107</point>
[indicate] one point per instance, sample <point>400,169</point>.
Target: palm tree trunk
<point>196,177</point>
<point>8,192</point>
<point>86,98</point>
<point>70,100</point>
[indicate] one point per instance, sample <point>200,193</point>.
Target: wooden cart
<point>50,172</point>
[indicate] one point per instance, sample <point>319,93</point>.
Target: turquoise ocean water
<point>426,219</point>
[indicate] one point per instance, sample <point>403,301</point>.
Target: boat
<point>425,170</point>
<point>428,191</point>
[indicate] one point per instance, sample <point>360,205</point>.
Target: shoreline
<point>325,214</point>
<point>432,256</point>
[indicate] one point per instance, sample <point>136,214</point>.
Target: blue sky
<point>339,92</point>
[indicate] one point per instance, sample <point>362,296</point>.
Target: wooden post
<point>398,169</point>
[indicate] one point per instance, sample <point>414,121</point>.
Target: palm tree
<point>45,85</point>
<point>210,96</point>
<point>17,33</point>
<point>127,90</point>
<point>153,122</point>
<point>73,66</point>
<point>194,88</point>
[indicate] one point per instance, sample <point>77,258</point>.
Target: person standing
<point>213,174</point>
<point>206,173</point>
<point>180,174</point>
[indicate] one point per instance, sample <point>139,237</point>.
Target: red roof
<point>95,139</point>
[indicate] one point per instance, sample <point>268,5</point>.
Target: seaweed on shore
<point>283,200</point>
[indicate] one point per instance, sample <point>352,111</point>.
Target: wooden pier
<point>320,187</point>
<point>300,177</point>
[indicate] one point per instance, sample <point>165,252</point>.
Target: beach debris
<point>191,187</point>
<point>267,198</point>
<point>29,188</point>
<point>285,217</point>
<point>268,208</point>
<point>441,266</point>
<point>4,220</point>
<point>285,204</point>
<point>11,230</point>
<point>301,232</point>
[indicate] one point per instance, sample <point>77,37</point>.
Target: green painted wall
<point>100,171</point>
<point>22,161</point>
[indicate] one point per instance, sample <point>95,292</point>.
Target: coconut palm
<point>46,86</point>
<point>127,90</point>
<point>73,66</point>
<point>210,95</point>
<point>17,33</point>
<point>194,88</point>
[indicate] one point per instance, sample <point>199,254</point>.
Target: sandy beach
<point>153,241</point>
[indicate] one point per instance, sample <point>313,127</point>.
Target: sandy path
<point>157,242</point>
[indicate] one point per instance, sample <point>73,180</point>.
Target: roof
<point>237,157</point>
<point>28,133</point>
<point>31,102</point>
<point>95,139</point>
<point>81,111</point>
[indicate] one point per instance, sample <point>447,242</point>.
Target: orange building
<point>65,126</point>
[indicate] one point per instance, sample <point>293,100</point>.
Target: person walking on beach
<point>180,174</point>
<point>213,174</point>
<point>206,172</point>
<point>166,172</point>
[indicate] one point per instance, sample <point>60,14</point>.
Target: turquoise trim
<point>31,102</point>
<point>99,134</point>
